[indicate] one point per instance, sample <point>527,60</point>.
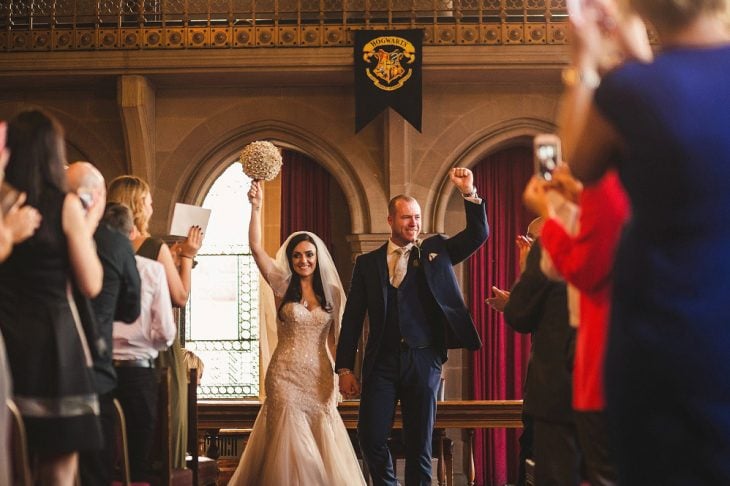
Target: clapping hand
<point>498,300</point>
<point>22,221</point>
<point>463,179</point>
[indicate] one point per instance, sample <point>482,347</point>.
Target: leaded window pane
<point>223,307</point>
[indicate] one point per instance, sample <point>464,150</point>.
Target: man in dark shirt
<point>538,306</point>
<point>119,300</point>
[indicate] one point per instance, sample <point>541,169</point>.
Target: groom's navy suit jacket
<point>369,292</point>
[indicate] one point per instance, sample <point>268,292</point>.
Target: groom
<point>416,311</point>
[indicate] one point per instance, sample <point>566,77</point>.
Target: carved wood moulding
<point>95,38</point>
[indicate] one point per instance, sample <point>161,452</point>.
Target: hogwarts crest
<point>388,60</point>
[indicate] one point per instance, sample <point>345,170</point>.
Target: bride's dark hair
<point>294,291</point>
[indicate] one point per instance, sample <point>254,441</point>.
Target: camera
<point>546,152</point>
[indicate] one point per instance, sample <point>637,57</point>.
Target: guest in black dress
<point>47,350</point>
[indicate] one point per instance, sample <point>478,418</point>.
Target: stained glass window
<point>223,308</point>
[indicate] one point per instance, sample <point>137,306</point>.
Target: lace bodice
<point>300,371</point>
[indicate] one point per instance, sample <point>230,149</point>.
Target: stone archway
<point>479,145</point>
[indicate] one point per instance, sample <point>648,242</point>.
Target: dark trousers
<point>95,467</point>
<point>526,441</point>
<point>137,390</point>
<point>557,456</point>
<point>411,376</point>
<point>592,430</point>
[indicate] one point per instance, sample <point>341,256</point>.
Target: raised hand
<point>463,179</point>
<point>535,196</point>
<point>189,247</point>
<point>567,185</point>
<point>256,194</point>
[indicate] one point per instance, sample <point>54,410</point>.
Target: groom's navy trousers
<point>408,368</point>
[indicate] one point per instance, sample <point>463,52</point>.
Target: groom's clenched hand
<point>463,179</point>
<point>349,385</point>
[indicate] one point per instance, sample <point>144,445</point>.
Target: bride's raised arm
<point>265,263</point>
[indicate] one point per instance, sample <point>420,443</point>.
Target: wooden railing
<point>178,24</point>
<point>214,416</point>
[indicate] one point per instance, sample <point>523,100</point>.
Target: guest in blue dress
<point>665,124</point>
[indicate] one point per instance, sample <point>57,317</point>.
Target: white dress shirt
<point>155,329</point>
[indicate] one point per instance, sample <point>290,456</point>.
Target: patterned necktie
<point>401,266</point>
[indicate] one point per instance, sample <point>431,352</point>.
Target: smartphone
<point>546,150</point>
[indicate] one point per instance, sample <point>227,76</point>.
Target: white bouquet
<point>261,160</point>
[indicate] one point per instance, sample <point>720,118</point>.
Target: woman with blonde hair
<point>664,124</point>
<point>135,193</point>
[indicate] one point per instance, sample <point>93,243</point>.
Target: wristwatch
<point>473,193</point>
<point>572,76</point>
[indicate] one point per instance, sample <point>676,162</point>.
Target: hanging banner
<point>388,74</point>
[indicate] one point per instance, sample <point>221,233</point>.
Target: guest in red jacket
<point>585,260</point>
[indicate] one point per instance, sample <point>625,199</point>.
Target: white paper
<point>187,215</point>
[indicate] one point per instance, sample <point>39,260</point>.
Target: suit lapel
<point>381,262</point>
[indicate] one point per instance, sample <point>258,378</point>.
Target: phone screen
<point>546,160</point>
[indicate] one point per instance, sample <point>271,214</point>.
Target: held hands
<point>463,179</point>
<point>349,385</point>
<point>255,194</point>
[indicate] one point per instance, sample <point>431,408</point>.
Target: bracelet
<point>343,372</point>
<point>572,76</point>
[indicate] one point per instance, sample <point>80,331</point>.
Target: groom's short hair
<point>394,201</point>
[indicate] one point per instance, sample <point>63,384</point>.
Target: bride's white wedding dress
<point>299,437</point>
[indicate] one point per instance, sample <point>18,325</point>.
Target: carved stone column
<point>136,99</point>
<point>397,154</point>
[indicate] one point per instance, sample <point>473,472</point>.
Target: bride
<point>299,437</point>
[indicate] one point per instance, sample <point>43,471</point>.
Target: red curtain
<point>499,367</point>
<point>305,193</point>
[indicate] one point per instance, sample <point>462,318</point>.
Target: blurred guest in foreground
<point>47,350</point>
<point>585,260</point>
<point>17,223</point>
<point>664,123</point>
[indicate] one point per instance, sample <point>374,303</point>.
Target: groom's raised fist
<point>463,179</point>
